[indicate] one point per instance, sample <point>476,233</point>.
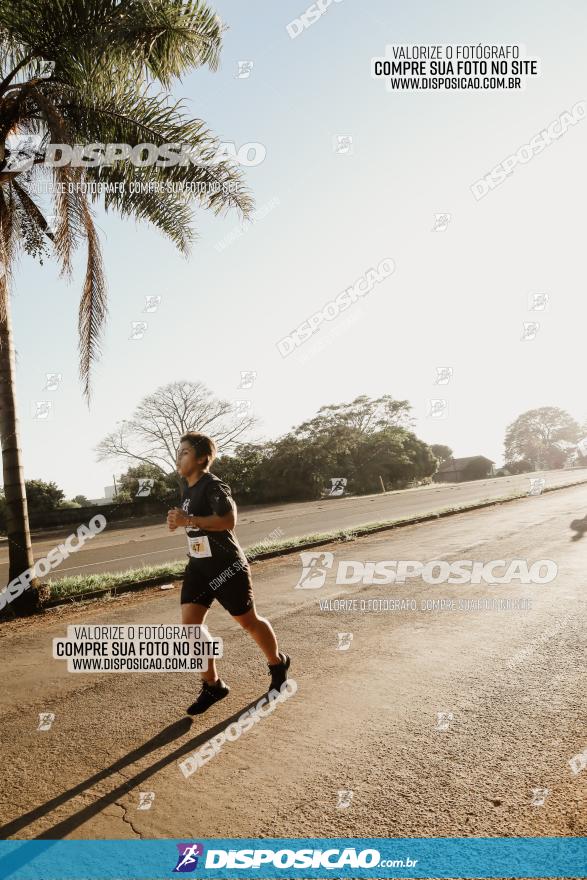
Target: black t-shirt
<point>211,497</point>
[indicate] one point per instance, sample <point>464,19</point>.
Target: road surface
<point>511,687</point>
<point>121,547</point>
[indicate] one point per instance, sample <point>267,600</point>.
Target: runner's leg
<point>195,615</point>
<point>261,631</point>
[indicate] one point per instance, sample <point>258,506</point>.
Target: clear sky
<point>458,297</point>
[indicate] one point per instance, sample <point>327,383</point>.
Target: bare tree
<point>152,434</point>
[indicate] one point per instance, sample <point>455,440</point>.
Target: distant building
<point>109,493</point>
<point>459,470</point>
<point>96,502</point>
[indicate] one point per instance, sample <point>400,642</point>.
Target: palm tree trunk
<point>20,550</point>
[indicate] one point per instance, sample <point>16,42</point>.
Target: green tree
<point>42,496</point>
<point>165,487</point>
<point>581,459</point>
<point>363,414</point>
<point>362,441</point>
<point>442,453</point>
<point>82,500</point>
<point>94,72</point>
<point>123,497</point>
<point>397,456</point>
<point>532,438</point>
<point>521,466</point>
<point>243,471</point>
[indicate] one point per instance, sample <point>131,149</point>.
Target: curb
<point>358,532</point>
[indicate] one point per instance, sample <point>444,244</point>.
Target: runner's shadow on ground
<point>167,735</point>
<point>579,526</point>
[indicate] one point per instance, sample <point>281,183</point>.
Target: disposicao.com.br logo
<point>299,858</point>
<point>316,565</point>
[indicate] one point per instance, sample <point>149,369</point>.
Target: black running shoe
<point>209,694</point>
<point>278,672</point>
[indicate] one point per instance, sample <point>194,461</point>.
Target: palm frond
<point>105,58</point>
<point>92,307</point>
<point>160,38</point>
<point>32,209</point>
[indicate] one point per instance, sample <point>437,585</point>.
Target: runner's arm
<point>223,509</point>
<point>213,523</point>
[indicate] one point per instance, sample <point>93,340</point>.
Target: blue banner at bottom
<point>294,857</point>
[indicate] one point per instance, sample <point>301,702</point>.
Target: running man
<point>217,567</point>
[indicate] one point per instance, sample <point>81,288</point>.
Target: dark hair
<point>201,444</point>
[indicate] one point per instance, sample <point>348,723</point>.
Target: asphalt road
<point>511,685</point>
<point>121,547</point>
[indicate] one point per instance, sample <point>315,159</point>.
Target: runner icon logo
<point>443,720</point>
<point>344,641</point>
<point>145,486</point>
<point>539,796</point>
<point>46,719</point>
<point>146,799</point>
<point>345,798</point>
<point>313,574</point>
<point>187,859</point>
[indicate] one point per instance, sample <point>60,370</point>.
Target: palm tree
<point>87,72</point>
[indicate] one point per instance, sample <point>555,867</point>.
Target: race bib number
<point>199,546</point>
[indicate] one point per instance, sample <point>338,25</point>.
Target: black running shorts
<point>232,586</point>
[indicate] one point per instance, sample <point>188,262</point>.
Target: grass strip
<point>78,586</point>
